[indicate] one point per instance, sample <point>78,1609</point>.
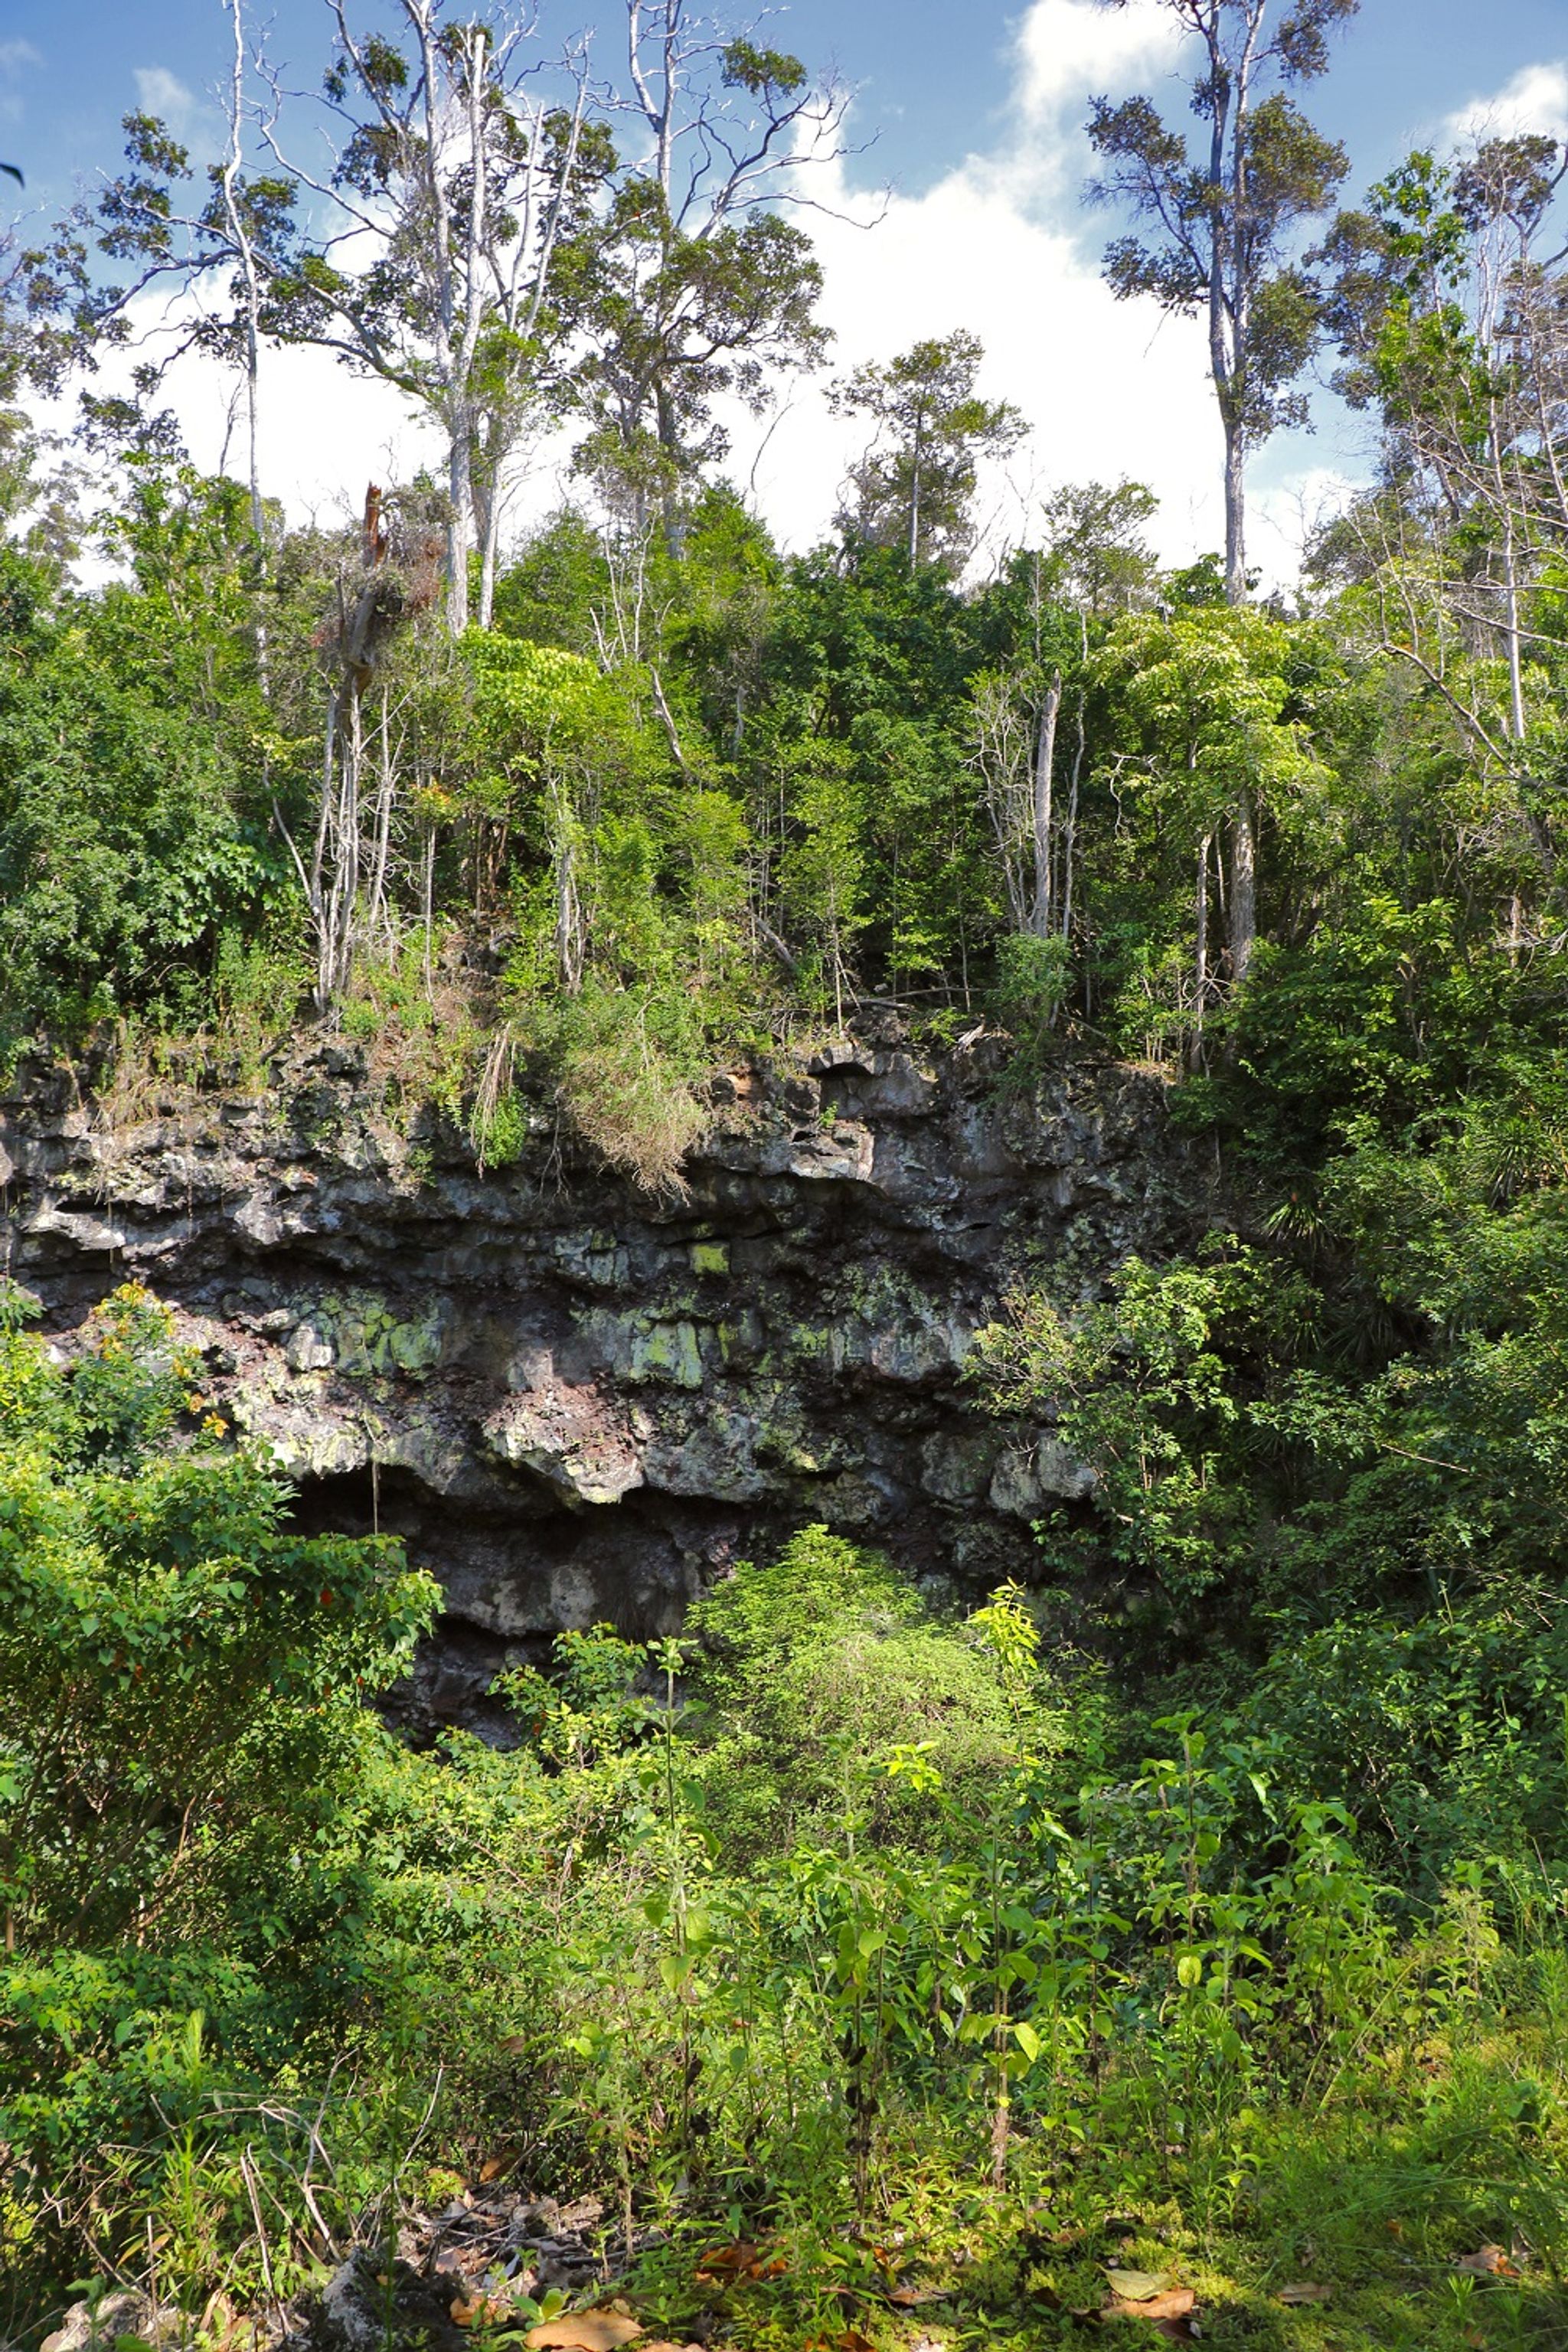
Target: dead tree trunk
<point>1045,787</point>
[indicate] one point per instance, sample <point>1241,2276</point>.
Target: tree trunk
<point>912,546</point>
<point>489,543</point>
<point>1518,724</point>
<point>569,935</point>
<point>1243,909</point>
<point>1235,513</point>
<point>244,244</point>
<point>460,525</point>
<point>1045,782</point>
<point>670,497</point>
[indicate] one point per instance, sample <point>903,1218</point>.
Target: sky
<point>962,208</point>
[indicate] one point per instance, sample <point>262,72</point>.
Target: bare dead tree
<point>344,882</point>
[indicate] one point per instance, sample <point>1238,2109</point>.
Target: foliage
<point>168,1644</point>
<point>914,488</point>
<point>122,851</point>
<point>902,1940</point>
<point>1222,223</point>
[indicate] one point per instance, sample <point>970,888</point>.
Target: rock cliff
<point>577,1402</point>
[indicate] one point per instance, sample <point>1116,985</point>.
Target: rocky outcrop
<point>577,1402</point>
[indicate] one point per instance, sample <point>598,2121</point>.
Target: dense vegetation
<point>1199,1911</point>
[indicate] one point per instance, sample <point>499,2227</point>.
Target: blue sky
<point>973,121</point>
<point>933,90</point>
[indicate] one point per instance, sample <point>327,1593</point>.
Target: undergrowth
<point>886,1977</point>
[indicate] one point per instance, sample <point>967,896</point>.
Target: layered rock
<point>579,1403</point>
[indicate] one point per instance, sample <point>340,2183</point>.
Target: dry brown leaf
<point>492,2168</point>
<point>737,2258</point>
<point>1297,2296</point>
<point>741,2261</point>
<point>908,2297</point>
<point>853,2341</point>
<point>1175,2303</point>
<point>584,2331</point>
<point>1490,2262</point>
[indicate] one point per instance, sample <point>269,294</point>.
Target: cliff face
<point>575,1403</point>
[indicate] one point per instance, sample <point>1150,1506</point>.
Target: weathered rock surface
<point>112,2320</point>
<point>577,1402</point>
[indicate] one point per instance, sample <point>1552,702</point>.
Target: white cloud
<point>1536,100</point>
<point>1068,49</point>
<point>322,433</point>
<point>163,94</point>
<point>14,56</point>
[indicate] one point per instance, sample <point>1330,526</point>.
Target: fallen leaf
<point>584,2331</point>
<point>581,2216</point>
<point>1489,2262</point>
<point>853,2341</point>
<point>737,2258</point>
<point>1138,2286</point>
<point>741,2261</point>
<point>492,2168</point>
<point>1173,2304</point>
<point>1297,2296</point>
<point>908,2297</point>
<point>480,2310</point>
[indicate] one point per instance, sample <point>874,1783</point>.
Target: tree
<point>914,487</point>
<point>392,577</point>
<point>699,285</point>
<point>174,1658</point>
<point>1450,308</point>
<point>1204,707</point>
<point>125,851</point>
<point>1220,226</point>
<point>140,218</point>
<point>1094,559</point>
<point>464,183</point>
<point>455,179</point>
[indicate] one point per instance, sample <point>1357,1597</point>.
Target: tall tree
<point>425,254</point>
<point>699,285</point>
<point>1218,225</point>
<point>914,487</point>
<point>462,181</point>
<point>1450,306</point>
